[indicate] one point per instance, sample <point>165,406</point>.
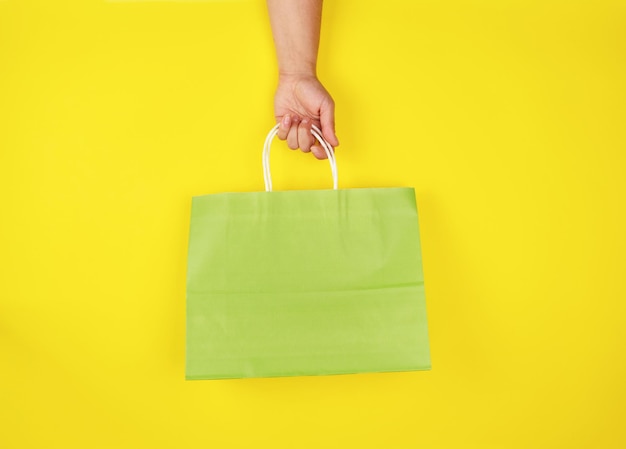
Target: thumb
<point>327,120</point>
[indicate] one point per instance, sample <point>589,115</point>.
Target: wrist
<point>287,75</point>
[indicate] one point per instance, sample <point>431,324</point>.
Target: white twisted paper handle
<point>267,176</point>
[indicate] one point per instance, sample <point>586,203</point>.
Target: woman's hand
<point>301,102</point>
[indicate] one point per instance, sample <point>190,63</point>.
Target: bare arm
<point>300,100</point>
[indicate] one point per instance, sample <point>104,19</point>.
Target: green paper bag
<point>305,282</point>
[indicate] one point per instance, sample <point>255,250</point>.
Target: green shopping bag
<point>305,282</point>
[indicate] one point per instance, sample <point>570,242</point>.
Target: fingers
<point>288,130</point>
<point>305,138</point>
<point>297,133</point>
<point>319,152</point>
<point>284,126</point>
<point>292,137</point>
<point>327,120</point>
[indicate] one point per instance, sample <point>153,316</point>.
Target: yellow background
<point>508,118</point>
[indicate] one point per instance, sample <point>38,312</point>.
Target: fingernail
<point>286,120</point>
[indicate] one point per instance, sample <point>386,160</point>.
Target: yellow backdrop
<point>507,116</point>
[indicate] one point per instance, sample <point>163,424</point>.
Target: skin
<point>301,100</point>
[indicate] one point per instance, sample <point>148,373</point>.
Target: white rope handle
<point>318,135</point>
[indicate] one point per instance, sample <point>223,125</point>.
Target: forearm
<point>296,30</point>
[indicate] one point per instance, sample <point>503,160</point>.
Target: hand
<point>300,102</point>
